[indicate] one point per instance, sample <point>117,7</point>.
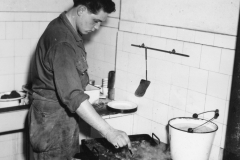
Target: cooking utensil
<point>122,106</point>
<point>143,83</point>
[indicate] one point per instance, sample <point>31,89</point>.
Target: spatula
<point>143,83</point>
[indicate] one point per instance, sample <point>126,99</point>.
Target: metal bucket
<point>185,145</point>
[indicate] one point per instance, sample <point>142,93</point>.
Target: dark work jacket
<point>59,76</point>
<point>60,68</point>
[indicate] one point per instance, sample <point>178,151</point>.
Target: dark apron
<point>53,130</point>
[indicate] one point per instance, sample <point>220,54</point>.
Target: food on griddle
<point>142,150</point>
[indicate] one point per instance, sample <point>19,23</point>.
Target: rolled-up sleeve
<point>66,77</point>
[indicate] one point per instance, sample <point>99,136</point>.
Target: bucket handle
<point>195,115</point>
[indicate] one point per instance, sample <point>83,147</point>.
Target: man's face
<point>88,22</point>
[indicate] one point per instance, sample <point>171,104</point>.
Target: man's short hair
<point>94,6</point>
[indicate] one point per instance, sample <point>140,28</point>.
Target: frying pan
<point>122,106</point>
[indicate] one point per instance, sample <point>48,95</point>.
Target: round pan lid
<point>122,106</point>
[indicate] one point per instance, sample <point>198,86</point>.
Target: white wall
<point>179,86</point>
<point>217,16</point>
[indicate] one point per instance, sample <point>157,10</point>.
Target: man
<point>59,78</point>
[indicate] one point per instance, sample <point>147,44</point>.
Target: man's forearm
<point>89,115</point>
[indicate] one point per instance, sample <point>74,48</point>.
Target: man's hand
<point>118,138</point>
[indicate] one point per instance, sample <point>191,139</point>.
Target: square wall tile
<point>7,148</point>
<point>213,103</point>
<point>99,51</point>
<point>39,16</point>
<point>194,52</point>
<point>139,28</point>
<point>227,61</point>
<point>122,60</point>
<point>105,68</point>
<point>204,38</point>
<point>218,85</point>
<point>145,108</point>
<point>90,49</point>
<point>129,39</point>
<point>93,67</point>
<point>22,47</point>
<point>160,131</point>
<point>6,65</point>
<point>22,64</point>
<point>137,64</point>
<point>151,68</point>
<point>2,30</point>
<point>210,58</point>
<point>7,16</point>
<point>126,26</point>
<point>6,48</point>
<point>153,30</point>
<point>160,113</point>
<point>20,80</point>
<point>185,35</point>
<point>198,80</point>
<point>169,32</point>
<point>142,125</point>
<point>121,80</point>
<point>180,75</point>
<point>174,112</point>
<point>109,54</point>
<point>31,30</point>
<point>120,94</point>
<point>22,16</point>
<point>6,83</point>
<point>111,36</point>
<point>162,92</point>
<point>178,97</point>
<point>225,41</point>
<point>14,30</point>
<point>164,71</point>
<point>195,102</point>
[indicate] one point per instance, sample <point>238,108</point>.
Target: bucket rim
<point>195,119</point>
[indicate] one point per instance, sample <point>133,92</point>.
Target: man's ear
<point>81,9</point>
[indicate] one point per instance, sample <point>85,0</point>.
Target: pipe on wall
<point>232,142</point>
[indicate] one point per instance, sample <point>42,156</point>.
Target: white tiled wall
<point>180,86</point>
<point>19,34</point>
